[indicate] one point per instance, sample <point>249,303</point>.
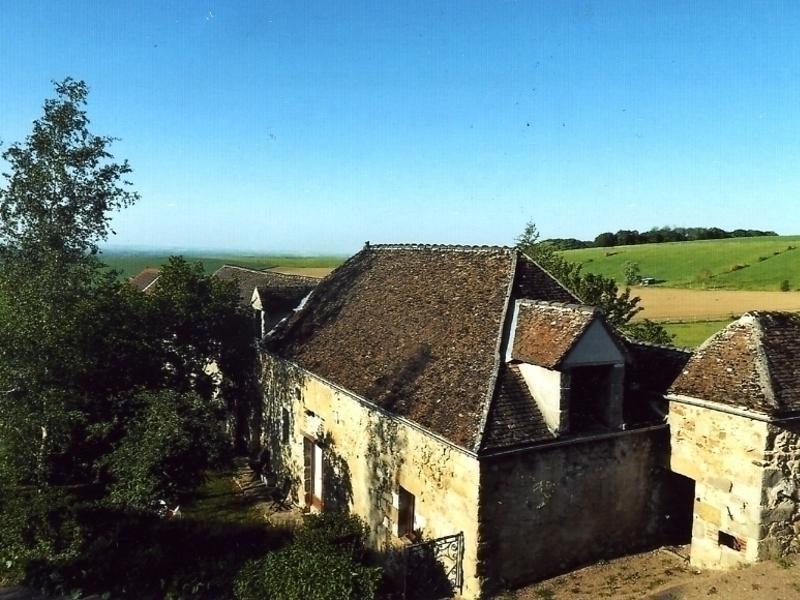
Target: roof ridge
<point>498,356</point>
<point>762,362</point>
<point>632,340</point>
<point>588,308</point>
<point>224,265</point>
<point>443,247</point>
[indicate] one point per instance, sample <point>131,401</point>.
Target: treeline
<point>656,235</point>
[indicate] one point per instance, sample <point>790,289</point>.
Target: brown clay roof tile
<point>514,418</point>
<point>145,279</point>
<point>754,363</point>
<point>281,288</point>
<point>545,333</point>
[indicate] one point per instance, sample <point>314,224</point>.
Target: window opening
<point>405,513</point>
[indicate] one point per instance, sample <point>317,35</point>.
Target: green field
<point>131,263</point>
<point>692,334</point>
<point>759,263</point>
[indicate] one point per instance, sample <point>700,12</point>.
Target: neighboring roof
<point>545,333</point>
<point>145,279</point>
<point>280,287</point>
<point>514,418</point>
<point>652,368</point>
<point>753,363</point>
<point>415,329</point>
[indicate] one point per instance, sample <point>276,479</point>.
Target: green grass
<point>131,263</point>
<point>217,501</point>
<point>764,262</point>
<point>692,334</point>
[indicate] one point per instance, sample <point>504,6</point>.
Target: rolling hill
<point>759,263</point>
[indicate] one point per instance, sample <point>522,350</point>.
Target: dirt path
<point>661,575</point>
<point>697,305</point>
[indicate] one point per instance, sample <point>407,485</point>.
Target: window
<point>312,473</point>
<point>726,539</point>
<point>405,513</point>
<point>285,427</point>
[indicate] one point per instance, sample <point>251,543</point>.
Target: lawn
<point>759,263</point>
<point>131,263</point>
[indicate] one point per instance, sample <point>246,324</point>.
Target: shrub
<point>762,258</point>
<point>324,561</point>
<point>167,450</point>
<point>36,527</point>
<point>785,285</point>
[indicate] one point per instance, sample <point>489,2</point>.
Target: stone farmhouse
<point>443,392</point>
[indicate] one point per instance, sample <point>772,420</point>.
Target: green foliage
<point>325,562</point>
<point>596,290</point>
<point>62,182</point>
<point>168,447</point>
<point>649,331</point>
<point>104,391</point>
<point>785,285</point>
<point>632,272</point>
<point>35,524</point>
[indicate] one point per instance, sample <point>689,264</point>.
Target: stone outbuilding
<point>734,415</point>
<point>462,393</point>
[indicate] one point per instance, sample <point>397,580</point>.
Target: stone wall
<point>780,497</point>
<point>367,456</point>
<point>548,510</point>
<point>724,454</point>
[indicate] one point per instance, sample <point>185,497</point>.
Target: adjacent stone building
<point>734,415</point>
<point>462,391</point>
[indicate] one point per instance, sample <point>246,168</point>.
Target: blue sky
<point>312,127</point>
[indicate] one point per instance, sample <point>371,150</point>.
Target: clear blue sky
<point>312,127</point>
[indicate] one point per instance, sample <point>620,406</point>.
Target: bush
<point>36,526</point>
<point>167,450</point>
<point>324,562</point>
<point>785,285</point>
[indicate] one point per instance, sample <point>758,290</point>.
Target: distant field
<point>131,263</point>
<point>692,334</point>
<point>667,304</point>
<point>737,264</point>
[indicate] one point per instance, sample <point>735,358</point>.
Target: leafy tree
<point>619,307</point>
<point>632,273</point>
<point>172,441</point>
<point>606,239</point>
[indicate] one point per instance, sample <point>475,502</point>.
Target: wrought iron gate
<point>433,569</point>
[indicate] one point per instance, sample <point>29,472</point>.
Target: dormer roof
<point>544,332</point>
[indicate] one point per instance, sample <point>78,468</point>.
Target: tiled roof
<point>413,328</point>
<point>546,332</point>
<point>145,279</point>
<point>514,417</point>
<point>279,287</point>
<point>754,363</point>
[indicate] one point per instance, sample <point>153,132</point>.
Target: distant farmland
<point>131,263</point>
<point>760,263</point>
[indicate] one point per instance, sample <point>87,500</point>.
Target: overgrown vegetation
<point>326,561</point>
<point>109,399</point>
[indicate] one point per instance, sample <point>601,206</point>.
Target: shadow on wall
<point>385,451</point>
<point>337,485</point>
<point>281,385</point>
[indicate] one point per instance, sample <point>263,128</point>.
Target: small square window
<point>726,539</point>
<point>405,513</point>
